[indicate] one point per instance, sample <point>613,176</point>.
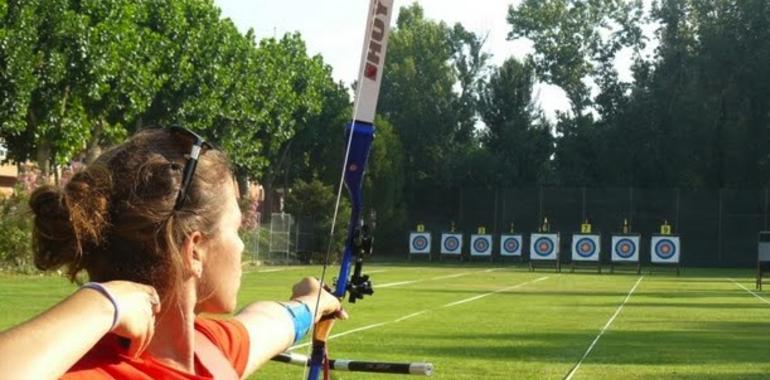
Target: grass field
<point>503,322</point>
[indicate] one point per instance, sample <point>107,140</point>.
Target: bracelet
<point>302,318</point>
<point>103,290</point>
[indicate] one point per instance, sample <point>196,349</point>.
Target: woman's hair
<point>116,220</point>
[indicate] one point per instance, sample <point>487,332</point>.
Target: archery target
<point>544,247</point>
<point>481,245</point>
<point>664,249</point>
<point>510,245</point>
<point>625,248</point>
<point>585,247</point>
<point>451,244</point>
<point>419,243</point>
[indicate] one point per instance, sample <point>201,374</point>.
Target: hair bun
<point>68,223</point>
<point>53,235</point>
<point>88,200</point>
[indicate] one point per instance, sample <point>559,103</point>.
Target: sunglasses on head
<point>198,143</point>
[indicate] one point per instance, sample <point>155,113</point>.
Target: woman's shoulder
<point>230,336</point>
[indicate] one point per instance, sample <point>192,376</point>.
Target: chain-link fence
<point>718,227</point>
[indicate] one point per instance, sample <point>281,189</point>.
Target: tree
<point>568,39</point>
<point>517,135</point>
<point>434,122</point>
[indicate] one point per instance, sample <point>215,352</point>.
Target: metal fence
<point>718,227</point>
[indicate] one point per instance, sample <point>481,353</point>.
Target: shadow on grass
<point>691,305</point>
<point>717,343</point>
<point>531,290</point>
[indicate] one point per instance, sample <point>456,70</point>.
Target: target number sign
<point>586,247</point>
<point>510,245</point>
<point>665,249</point>
<point>544,247</point>
<point>625,248</point>
<point>451,244</point>
<point>419,243</point>
<point>481,245</point>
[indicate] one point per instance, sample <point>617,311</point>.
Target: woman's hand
<point>307,289</point>
<point>138,305</point>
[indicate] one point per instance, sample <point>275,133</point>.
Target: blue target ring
<point>665,249</point>
<point>451,243</point>
<point>481,245</point>
<point>625,248</point>
<point>511,245</point>
<point>544,247</point>
<point>419,243</point>
<point>585,247</point>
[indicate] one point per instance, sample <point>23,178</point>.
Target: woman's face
<point>221,276</point>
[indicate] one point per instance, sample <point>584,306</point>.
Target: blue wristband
<point>302,318</point>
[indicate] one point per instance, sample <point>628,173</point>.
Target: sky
<point>335,28</point>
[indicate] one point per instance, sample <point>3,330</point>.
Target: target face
<point>624,248</point>
<point>451,243</point>
<point>481,245</point>
<point>544,247</point>
<point>510,245</point>
<point>665,249</point>
<point>419,242</point>
<point>585,247</point>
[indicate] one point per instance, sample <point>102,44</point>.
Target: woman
<point>154,224</point>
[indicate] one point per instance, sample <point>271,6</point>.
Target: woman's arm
<point>46,346</point>
<point>271,327</point>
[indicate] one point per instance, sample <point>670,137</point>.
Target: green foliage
<point>568,38</point>
<point>16,236</point>
<point>313,203</point>
<point>384,187</point>
<point>426,61</point>
<point>697,113</point>
<point>518,137</point>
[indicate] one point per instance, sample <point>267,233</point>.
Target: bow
<point>358,243</point>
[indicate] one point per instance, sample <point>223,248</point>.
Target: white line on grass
<point>493,292</point>
<point>606,326</point>
<point>752,293</point>
<point>400,319</point>
<point>272,270</point>
<point>391,284</point>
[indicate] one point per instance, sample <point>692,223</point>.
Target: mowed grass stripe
<point>444,277</point>
<point>698,326</point>
<point>692,327</point>
<point>523,333</point>
<point>601,332</point>
<point>421,312</point>
<point>751,292</point>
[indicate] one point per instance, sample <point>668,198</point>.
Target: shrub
<point>16,233</point>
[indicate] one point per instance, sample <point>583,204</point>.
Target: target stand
<point>665,251</point>
<point>451,245</point>
<point>544,249</point>
<point>511,246</point>
<point>763,257</point>
<point>625,251</point>
<point>419,245</point>
<point>481,246</point>
<point>586,251</point>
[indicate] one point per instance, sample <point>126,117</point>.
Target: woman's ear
<point>193,253</point>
